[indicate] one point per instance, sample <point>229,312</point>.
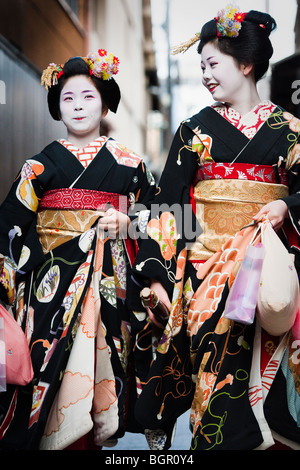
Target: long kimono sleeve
<point>293,200</point>
<point>172,223</point>
<point>20,248</point>
<point>141,196</point>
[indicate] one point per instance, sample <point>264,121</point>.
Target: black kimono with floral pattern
<point>207,142</point>
<point>56,297</point>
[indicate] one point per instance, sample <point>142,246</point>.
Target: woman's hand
<point>115,222</point>
<point>275,211</point>
<point>162,294</point>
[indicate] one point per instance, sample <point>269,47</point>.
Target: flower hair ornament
<point>229,22</point>
<point>101,65</point>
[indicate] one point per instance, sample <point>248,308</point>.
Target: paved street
<point>181,441</point>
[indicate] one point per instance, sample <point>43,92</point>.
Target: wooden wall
<point>33,33</point>
<point>43,30</point>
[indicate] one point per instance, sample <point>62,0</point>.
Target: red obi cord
<point>73,199</point>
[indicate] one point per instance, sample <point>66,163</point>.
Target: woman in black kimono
<point>65,254</point>
<point>233,162</point>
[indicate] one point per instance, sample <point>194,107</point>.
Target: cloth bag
<point>278,294</point>
<point>15,352</point>
<point>241,302</point>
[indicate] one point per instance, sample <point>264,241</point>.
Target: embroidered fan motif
<point>228,171</point>
<point>260,174</point>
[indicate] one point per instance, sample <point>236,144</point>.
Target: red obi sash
<point>74,198</point>
<point>246,171</point>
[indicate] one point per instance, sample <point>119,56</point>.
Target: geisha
<point>65,254</point>
<point>236,162</point>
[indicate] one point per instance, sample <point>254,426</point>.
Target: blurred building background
<point>285,80</point>
<point>158,90</point>
<point>34,33</point>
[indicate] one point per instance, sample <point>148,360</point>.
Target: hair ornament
<point>229,21</point>
<point>51,75</point>
<point>185,45</point>
<point>102,64</point>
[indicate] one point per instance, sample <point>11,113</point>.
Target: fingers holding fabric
<point>115,223</point>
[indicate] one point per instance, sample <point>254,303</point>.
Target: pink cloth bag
<point>241,303</point>
<point>14,352</point>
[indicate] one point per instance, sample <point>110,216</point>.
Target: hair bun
<point>263,20</point>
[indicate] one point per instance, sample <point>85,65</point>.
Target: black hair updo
<point>251,46</point>
<point>108,89</point>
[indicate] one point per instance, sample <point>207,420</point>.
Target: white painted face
<point>81,108</point>
<point>222,76</point>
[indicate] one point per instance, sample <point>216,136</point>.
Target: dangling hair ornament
<point>229,22</point>
<point>101,65</point>
<point>185,45</point>
<point>51,75</point>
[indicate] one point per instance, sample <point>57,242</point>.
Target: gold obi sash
<point>67,213</point>
<point>224,206</point>
<point>56,227</point>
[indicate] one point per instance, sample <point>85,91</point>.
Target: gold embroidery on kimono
<point>56,227</point>
<point>223,207</point>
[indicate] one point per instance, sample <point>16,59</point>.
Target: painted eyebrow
<point>208,58</point>
<point>84,91</point>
